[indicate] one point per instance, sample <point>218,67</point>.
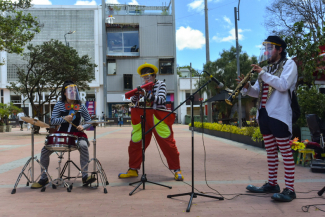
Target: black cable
<point>306,208</point>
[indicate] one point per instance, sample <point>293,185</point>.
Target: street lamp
<point>70,32</point>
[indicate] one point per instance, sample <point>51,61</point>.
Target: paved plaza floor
<point>230,167</point>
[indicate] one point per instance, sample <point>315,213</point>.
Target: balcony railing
<point>120,9</point>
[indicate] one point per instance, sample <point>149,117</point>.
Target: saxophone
<point>241,84</point>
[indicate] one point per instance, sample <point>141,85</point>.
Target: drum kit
<point>60,142</point>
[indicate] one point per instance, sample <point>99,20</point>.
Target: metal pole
<point>238,66</point>
<point>191,83</point>
<point>32,173</point>
<point>207,50</point>
<point>104,56</point>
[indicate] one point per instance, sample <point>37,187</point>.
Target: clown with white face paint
<point>67,114</point>
<point>156,99</point>
<point>273,91</point>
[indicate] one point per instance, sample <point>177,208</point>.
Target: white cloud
<point>112,2</point>
<point>133,2</point>
<point>41,2</point>
<point>197,5</point>
<point>225,18</point>
<point>80,2</point>
<point>189,38</point>
<point>231,36</point>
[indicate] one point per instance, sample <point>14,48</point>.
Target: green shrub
<point>253,132</point>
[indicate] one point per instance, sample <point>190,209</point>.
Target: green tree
<point>48,66</point>
<point>16,26</point>
<point>310,66</point>
<point>224,70</point>
<point>282,14</point>
<point>194,72</point>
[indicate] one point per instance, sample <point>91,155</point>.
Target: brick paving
<point>230,167</point>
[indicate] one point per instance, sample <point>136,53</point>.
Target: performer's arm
<point>56,118</point>
<point>288,77</point>
<point>86,116</point>
<point>160,99</point>
<point>251,90</point>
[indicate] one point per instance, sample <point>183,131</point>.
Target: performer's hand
<point>149,96</point>
<point>68,118</point>
<point>80,128</point>
<point>256,68</point>
<point>139,93</point>
<point>240,78</point>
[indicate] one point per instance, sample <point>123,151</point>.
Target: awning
<point>219,97</point>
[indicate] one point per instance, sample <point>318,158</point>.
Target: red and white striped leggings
<point>271,144</point>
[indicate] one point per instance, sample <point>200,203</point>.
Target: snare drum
<point>61,142</point>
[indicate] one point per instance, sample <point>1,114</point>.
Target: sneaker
<point>179,176</point>
<point>286,196</point>
<point>266,188</point>
<point>40,184</point>
<point>130,173</point>
<point>86,180</point>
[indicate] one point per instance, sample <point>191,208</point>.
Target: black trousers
<point>272,126</point>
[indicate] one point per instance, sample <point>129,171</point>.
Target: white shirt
<point>278,106</point>
<point>21,114</point>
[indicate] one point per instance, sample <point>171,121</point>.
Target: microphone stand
<point>192,193</point>
<point>144,179</point>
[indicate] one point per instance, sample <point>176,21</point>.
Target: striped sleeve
<point>160,98</point>
<point>86,116</point>
<point>56,118</point>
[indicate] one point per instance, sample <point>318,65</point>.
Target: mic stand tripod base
<point>193,195</point>
<point>143,181</point>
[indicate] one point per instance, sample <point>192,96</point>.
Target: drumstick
<point>71,122</point>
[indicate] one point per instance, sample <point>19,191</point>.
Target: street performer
<point>69,110</point>
<point>163,132</point>
<point>275,114</point>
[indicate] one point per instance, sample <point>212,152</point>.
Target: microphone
<point>320,193</point>
<point>220,84</point>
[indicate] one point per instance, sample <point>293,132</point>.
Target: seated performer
<point>155,99</point>
<point>69,109</point>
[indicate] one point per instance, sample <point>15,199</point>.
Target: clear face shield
<point>266,50</point>
<point>71,92</point>
<point>146,78</point>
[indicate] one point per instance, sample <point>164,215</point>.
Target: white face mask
<point>71,92</point>
<point>146,78</point>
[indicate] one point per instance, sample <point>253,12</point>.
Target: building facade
<point>133,35</point>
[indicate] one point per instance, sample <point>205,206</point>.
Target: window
<point>111,67</point>
<point>128,84</point>
<point>166,66</point>
<point>1,96</point>
<point>124,43</point>
<point>196,99</point>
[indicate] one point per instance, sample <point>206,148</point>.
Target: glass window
<point>196,99</point>
<point>122,42</point>
<point>111,67</point>
<point>166,66</point>
<point>128,82</point>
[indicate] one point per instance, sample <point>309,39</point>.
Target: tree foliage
<point>6,110</point>
<point>310,67</point>
<point>16,26</point>
<point>194,72</point>
<point>224,70</point>
<point>48,66</point>
<point>282,14</point>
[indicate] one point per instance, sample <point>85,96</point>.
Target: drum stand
<point>97,164</point>
<point>59,180</point>
<point>67,165</point>
<point>30,163</point>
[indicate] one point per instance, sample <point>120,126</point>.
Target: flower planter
<point>8,128</point>
<point>231,136</point>
<point>2,129</point>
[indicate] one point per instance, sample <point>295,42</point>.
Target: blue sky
<point>190,27</point>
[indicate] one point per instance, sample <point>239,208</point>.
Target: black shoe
<point>88,179</point>
<point>286,196</point>
<point>266,188</point>
<point>40,184</point>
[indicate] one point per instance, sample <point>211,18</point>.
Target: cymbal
<point>96,122</point>
<point>35,122</point>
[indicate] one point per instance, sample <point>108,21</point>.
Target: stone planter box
<point>234,137</point>
<point>8,128</point>
<point>3,129</point>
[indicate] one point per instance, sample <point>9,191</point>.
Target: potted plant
<point>5,111</point>
<point>295,146</point>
